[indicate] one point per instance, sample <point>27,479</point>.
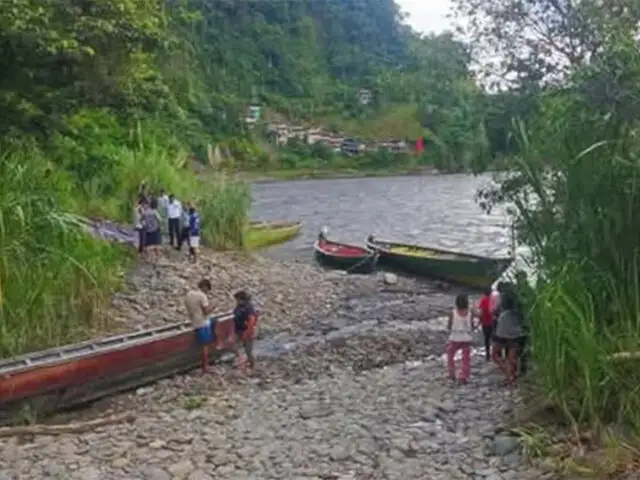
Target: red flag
<point>420,145</point>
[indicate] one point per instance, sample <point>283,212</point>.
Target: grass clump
<point>54,278</point>
<point>576,195</point>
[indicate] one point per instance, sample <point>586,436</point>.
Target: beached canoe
<point>60,378</point>
<point>351,258</point>
<point>454,267</point>
<point>266,234</point>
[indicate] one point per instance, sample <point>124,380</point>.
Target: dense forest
<point>189,69</point>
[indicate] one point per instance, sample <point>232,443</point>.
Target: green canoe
<point>454,267</point>
<point>267,234</point>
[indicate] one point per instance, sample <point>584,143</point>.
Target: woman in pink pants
<point>460,338</point>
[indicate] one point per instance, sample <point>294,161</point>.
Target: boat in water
<point>454,267</point>
<point>352,258</point>
<point>261,235</point>
<point>60,378</point>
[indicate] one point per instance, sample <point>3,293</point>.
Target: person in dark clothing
<point>245,319</point>
<point>508,335</point>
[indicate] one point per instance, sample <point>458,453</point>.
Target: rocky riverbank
<point>350,384</point>
<point>336,421</point>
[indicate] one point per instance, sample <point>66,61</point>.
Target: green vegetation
<point>574,190</point>
<point>55,279</point>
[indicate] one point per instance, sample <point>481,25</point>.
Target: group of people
<point>505,329</point>
<point>224,334</point>
<point>154,213</point>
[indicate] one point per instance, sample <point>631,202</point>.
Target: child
<point>460,328</point>
<point>246,319</point>
<point>508,335</point>
<point>194,233</point>
<point>485,312</point>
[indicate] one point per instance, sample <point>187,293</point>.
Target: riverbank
<point>350,384</point>
<point>350,377</point>
<point>332,174</point>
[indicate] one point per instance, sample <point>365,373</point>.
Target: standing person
<point>485,312</point>
<point>198,308</point>
<point>508,335</point>
<point>163,205</point>
<point>153,237</point>
<point>194,233</point>
<point>460,328</point>
<point>174,214</point>
<point>246,322</point>
<point>137,221</point>
<point>184,230</point>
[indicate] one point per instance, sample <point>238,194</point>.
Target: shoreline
<point>323,333</point>
<point>294,415</point>
<point>320,174</point>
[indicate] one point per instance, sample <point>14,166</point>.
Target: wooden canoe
<point>266,234</point>
<point>351,258</point>
<point>60,378</point>
<point>458,268</point>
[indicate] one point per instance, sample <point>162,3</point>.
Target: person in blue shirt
<point>194,233</point>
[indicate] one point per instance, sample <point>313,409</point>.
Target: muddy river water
<point>438,210</point>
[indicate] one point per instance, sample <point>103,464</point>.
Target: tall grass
<point>55,279</point>
<point>583,229</point>
<point>223,202</point>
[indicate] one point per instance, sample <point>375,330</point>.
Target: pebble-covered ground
<point>347,387</point>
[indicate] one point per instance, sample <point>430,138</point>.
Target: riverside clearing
<point>350,384</point>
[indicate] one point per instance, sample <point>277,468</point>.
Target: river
<point>437,210</point>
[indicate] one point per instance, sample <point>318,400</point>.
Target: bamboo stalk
<point>79,427</point>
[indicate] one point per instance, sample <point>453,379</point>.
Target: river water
<point>437,210</point>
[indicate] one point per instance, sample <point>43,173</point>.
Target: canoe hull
<point>473,271</point>
<point>262,235</point>
<point>55,385</point>
<point>361,265</point>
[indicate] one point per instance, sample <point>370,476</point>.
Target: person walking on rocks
<point>174,214</point>
<point>198,308</point>
<point>509,334</point>
<point>460,328</point>
<point>485,313</point>
<point>246,321</point>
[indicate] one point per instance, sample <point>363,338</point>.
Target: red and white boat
<point>59,378</point>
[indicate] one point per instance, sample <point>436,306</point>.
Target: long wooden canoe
<point>59,378</point>
<point>454,267</point>
<point>266,234</point>
<point>351,258</point>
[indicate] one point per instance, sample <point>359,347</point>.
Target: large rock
<point>390,279</point>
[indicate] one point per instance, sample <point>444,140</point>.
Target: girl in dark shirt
<point>246,319</point>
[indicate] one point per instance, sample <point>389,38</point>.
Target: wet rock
<point>503,445</point>
<point>390,279</point>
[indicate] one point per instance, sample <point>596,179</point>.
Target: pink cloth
<point>495,300</point>
<point>452,349</point>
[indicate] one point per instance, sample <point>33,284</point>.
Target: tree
<point>530,42</point>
